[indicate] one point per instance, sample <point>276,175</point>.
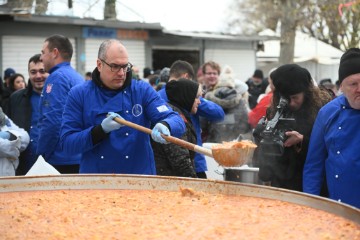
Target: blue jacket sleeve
<point>314,168</point>
<point>210,110</point>
<point>51,108</point>
<point>74,137</point>
<point>157,110</point>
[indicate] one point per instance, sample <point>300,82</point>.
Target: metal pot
<point>121,181</point>
<point>242,174</point>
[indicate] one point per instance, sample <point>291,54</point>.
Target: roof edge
<point>53,19</point>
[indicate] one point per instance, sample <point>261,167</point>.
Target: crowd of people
<point>306,132</point>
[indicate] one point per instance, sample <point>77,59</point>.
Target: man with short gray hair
<point>89,128</point>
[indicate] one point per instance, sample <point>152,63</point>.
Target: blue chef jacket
<point>125,150</point>
<point>334,149</point>
<point>56,88</point>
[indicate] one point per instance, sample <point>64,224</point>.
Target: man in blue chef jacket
<point>88,126</point>
<point>56,54</point>
<point>335,139</point>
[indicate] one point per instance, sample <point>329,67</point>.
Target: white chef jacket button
<point>126,157</point>
<point>339,127</point>
<point>127,111</point>
<point>31,126</point>
<point>338,152</point>
<point>31,140</point>
<point>102,157</point>
<point>343,107</point>
<point>126,134</point>
<point>336,176</point>
<point>124,91</point>
<point>339,200</point>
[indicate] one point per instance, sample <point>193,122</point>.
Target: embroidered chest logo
<point>137,110</point>
<point>48,88</point>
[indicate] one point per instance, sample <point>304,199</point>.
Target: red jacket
<point>260,110</point>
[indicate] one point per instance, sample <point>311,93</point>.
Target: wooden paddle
<point>177,141</point>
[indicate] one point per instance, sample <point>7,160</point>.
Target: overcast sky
<point>185,15</point>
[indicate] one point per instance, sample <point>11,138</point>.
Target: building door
<point>164,58</point>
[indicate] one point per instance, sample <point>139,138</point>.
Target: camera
<point>273,134</point>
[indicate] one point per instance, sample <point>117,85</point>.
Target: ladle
<point>177,141</point>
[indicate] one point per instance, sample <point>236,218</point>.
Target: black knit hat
<point>349,63</point>
<point>182,93</point>
<point>258,74</point>
<point>291,79</point>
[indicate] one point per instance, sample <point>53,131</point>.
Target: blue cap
<point>9,72</point>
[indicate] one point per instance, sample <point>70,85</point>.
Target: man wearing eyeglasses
<point>24,111</point>
<point>56,55</point>
<point>211,71</point>
<point>88,125</point>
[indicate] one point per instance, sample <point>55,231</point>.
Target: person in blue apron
<point>88,126</point>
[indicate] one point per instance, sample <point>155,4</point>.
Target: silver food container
<point>243,174</point>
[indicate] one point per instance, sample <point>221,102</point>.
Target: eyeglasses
<point>34,72</point>
<point>116,68</point>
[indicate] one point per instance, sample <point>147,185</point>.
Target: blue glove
<point>157,131</point>
<point>5,135</point>
<point>108,124</point>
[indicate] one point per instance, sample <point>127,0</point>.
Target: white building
<point>321,59</point>
<point>148,44</point>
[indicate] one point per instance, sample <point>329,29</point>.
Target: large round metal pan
<point>141,182</point>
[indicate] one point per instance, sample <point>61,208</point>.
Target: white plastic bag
<point>41,167</point>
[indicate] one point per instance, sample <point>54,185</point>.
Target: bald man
<point>88,126</point>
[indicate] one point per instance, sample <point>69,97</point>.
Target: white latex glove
<point>157,131</point>
<point>108,124</point>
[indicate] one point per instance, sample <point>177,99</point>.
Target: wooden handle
<point>171,139</point>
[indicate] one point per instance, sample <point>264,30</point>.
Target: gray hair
<point>104,47</point>
<point>164,75</point>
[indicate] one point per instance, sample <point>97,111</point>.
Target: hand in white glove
<point>5,135</point>
<point>108,124</point>
<point>157,131</point>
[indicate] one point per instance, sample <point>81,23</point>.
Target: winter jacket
<point>255,90</point>
<point>10,149</point>
<point>172,159</point>
<point>125,150</point>
<point>284,171</point>
<point>207,110</point>
<point>236,114</point>
<point>24,111</point>
<point>53,97</point>
<point>260,110</point>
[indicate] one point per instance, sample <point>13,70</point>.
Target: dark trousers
<point>67,169</point>
<point>201,175</point>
